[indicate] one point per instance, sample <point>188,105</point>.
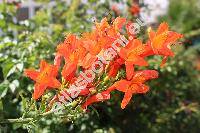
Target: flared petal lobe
<point>38,91</point>
<point>127,97</point>
<point>31,73</point>
<point>96,98</point>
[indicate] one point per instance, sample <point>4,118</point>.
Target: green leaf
<point>8,68</point>
<point>13,85</point>
<point>3,89</point>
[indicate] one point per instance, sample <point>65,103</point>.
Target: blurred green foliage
<point>172,105</point>
<point>184,16</point>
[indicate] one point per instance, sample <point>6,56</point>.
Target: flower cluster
<point>90,65</point>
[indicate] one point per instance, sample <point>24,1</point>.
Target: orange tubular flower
<point>101,38</point>
<point>72,51</point>
<point>44,78</point>
<point>161,40</point>
<point>132,56</point>
<point>135,86</point>
<point>94,42</point>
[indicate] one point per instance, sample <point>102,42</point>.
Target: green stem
<point>25,120</point>
<point>19,120</point>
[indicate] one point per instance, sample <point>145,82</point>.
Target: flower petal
<point>38,91</point>
<point>129,70</point>
<point>163,27</point>
<point>127,97</point>
<point>158,41</point>
<point>141,88</point>
<point>68,69</point>
<point>57,60</point>
<point>165,52</point>
<point>53,83</point>
<point>118,23</point>
<point>144,75</point>
<point>43,65</point>
<point>151,34</point>
<point>163,61</point>
<point>173,37</point>
<point>31,73</point>
<point>122,85</point>
<point>137,60</point>
<point>96,98</point>
<point>114,70</point>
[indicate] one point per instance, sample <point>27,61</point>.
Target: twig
<point>25,120</point>
<point>19,120</point>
